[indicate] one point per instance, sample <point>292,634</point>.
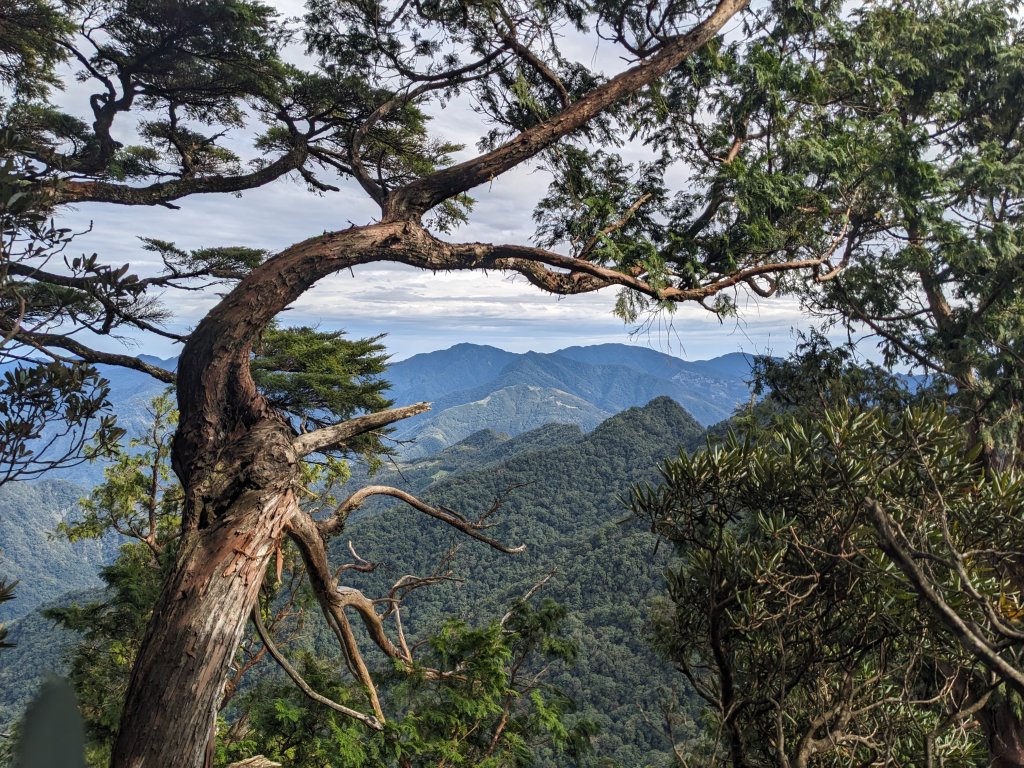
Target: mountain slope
<point>713,387</point>
<point>513,409</point>
<point>611,377</point>
<point>564,504</point>
<point>432,375</point>
<point>45,565</point>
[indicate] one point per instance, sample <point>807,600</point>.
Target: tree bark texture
<point>176,685</point>
<point>1005,735</point>
<point>236,458</point>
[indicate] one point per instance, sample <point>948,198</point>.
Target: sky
<point>419,311</point>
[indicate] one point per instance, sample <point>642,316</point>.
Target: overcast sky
<point>418,311</point>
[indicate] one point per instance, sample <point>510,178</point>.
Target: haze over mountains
<point>474,387</point>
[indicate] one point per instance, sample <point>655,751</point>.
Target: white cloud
<point>421,311</point>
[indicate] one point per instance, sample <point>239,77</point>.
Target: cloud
<point>421,311</point>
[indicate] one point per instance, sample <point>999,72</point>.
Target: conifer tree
<point>783,139</point>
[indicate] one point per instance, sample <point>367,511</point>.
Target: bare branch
<point>48,341</point>
<point>530,593</point>
<point>367,720</point>
<point>339,434</point>
<point>163,192</point>
<point>469,527</point>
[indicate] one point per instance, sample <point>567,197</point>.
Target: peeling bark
<point>237,459</point>
<point>179,676</point>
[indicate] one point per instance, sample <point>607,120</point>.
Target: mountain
<point>513,409</point>
<point>712,387</point>
<point>610,377</point>
<point>561,495</point>
<point>582,386</point>
<point>432,375</point>
<point>45,565</point>
<point>563,501</point>
<point>734,365</point>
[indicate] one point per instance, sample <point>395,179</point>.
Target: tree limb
<point>415,199</point>
<point>967,635</point>
<point>165,191</point>
<point>45,341</point>
<point>367,720</point>
<point>337,435</point>
<point>334,524</point>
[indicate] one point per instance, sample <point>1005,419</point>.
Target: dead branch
<point>530,593</point>
<point>471,528</point>
<point>337,435</point>
<point>361,564</point>
<point>368,720</point>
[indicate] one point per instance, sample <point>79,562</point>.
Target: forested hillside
<point>562,498</point>
<point>565,505</point>
<point>45,564</point>
<point>473,387</point>
<point>247,183</point>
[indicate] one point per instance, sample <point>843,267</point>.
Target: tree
<point>932,264</point>
<point>49,411</point>
<point>932,273</point>
<point>776,188</point>
<point>793,610</point>
<point>479,700</point>
<point>476,697</point>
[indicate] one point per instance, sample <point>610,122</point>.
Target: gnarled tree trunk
<point>237,460</point>
<point>176,685</point>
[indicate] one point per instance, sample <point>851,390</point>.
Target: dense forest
<point>832,578</point>
<point>566,507</point>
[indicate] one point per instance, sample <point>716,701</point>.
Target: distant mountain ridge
<point>474,387</point>
<point>609,377</point>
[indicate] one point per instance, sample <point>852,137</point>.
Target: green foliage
<point>139,498</point>
<point>216,262</point>
<point>487,708</point>
<point>819,376</point>
<point>205,58</point>
<point>48,409</point>
<point>284,725</point>
<point>784,610</point>
<point>30,47</point>
<point>932,256</point>
<point>140,501</point>
<point>321,377</point>
<point>469,702</point>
